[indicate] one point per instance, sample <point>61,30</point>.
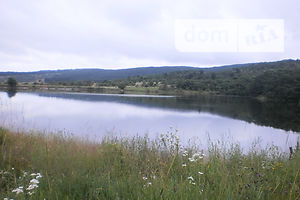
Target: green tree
<point>121,86</point>
<point>11,82</point>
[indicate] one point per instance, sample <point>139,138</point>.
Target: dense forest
<point>273,80</point>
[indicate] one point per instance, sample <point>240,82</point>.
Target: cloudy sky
<point>113,34</point>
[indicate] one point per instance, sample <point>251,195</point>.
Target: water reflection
<point>283,116</point>
<point>215,118</point>
<point>11,92</point>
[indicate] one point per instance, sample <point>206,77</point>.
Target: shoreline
<point>116,90</point>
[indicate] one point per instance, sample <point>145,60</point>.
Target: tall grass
<point>140,168</point>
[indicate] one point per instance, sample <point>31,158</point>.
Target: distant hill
<point>96,75</point>
<point>100,75</point>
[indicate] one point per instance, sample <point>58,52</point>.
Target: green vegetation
<point>265,81</point>
<point>275,80</point>
<point>59,167</point>
<point>11,83</point>
<point>121,86</point>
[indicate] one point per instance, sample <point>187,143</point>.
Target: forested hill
<point>274,80</point>
<point>96,75</point>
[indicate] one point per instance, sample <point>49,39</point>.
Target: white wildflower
<point>183,165</point>
<point>190,178</point>
<point>145,178</point>
<point>25,174</point>
<point>185,153</point>
<point>32,186</point>
<point>31,193</point>
<point>39,175</point>
<point>18,190</point>
<point>34,181</point>
<point>33,174</point>
<point>201,173</point>
<point>196,156</point>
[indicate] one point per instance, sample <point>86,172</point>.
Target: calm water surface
<point>197,119</point>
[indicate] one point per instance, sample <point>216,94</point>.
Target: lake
<point>194,119</point>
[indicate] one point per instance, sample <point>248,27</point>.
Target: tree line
<point>277,80</point>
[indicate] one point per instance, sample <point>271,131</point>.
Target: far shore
<point>115,90</point>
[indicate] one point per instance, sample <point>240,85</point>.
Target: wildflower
<point>201,173</point>
<point>190,178</point>
<point>31,193</point>
<point>13,168</point>
<point>185,153</point>
<point>183,165</point>
<point>147,184</point>
<point>196,156</point>
<point>39,175</point>
<point>145,178</point>
<point>32,186</point>
<point>34,181</point>
<point>25,174</point>
<point>33,174</point>
<point>18,190</point>
<point>279,164</point>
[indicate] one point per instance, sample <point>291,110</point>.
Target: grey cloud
<point>62,34</point>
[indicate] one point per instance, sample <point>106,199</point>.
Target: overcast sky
<point>113,34</point>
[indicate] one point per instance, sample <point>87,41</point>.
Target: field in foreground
<point>34,166</point>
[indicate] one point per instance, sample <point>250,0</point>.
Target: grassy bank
<point>60,167</point>
<point>105,89</point>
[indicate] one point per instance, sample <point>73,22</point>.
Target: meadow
<point>57,166</point>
